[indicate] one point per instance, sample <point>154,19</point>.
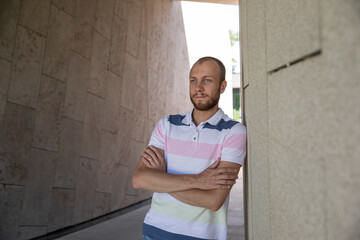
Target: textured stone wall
<point>301,72</point>
<point>82,84</point>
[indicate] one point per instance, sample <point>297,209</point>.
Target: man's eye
<point>192,80</point>
<point>207,80</point>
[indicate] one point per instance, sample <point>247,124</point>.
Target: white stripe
<point>186,165</point>
<point>196,229</point>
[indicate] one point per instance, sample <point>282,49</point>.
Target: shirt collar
<point>213,120</point>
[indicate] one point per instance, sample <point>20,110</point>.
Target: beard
<point>211,102</point>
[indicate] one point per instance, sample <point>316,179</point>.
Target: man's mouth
<point>199,96</point>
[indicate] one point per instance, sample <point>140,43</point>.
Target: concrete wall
<point>302,105</point>
<point>82,84</point>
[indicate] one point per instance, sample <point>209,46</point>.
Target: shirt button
<point>194,138</point>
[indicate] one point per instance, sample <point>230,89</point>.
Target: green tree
<point>234,36</point>
<point>236,100</point>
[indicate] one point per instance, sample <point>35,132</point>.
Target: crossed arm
<point>207,189</point>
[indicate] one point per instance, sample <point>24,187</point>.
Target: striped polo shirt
<point>190,149</point>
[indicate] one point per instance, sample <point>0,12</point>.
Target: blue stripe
<point>155,233</point>
<point>177,120</point>
<point>221,125</point>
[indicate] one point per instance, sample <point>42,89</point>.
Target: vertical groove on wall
<point>267,128</point>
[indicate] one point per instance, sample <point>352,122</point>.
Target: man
<point>192,162</point>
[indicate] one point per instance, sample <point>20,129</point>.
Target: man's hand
<point>215,178</point>
<point>153,158</point>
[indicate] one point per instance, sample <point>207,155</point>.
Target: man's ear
<point>223,85</point>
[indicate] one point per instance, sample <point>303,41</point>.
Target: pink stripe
<point>158,131</point>
<point>237,141</point>
<point>192,149</point>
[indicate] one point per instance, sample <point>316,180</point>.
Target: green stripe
<point>188,212</point>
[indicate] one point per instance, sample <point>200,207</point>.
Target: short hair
<point>218,62</point>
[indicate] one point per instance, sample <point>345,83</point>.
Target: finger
<point>226,182</point>
<point>156,161</point>
<point>226,170</point>
<point>146,162</point>
<point>153,159</point>
<point>225,186</point>
<point>151,153</point>
<point>147,156</point>
<point>227,176</point>
<point>156,151</point>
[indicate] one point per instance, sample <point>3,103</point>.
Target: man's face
<point>205,87</point>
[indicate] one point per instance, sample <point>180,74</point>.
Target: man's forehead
<point>208,61</point>
<point>200,66</point>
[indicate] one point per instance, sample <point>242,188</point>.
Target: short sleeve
<point>234,145</point>
<point>157,138</point>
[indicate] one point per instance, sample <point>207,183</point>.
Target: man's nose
<point>199,87</point>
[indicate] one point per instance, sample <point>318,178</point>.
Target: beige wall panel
<point>84,27</point>
<point>129,82</point>
<point>102,204</point>
<point>341,101</point>
<point>27,232</point>
<point>120,9</point>
<point>244,41</point>
<point>297,169</point>
<point>10,208</point>
<point>85,190</point>
<point>134,11</point>
<point>9,15</point>
<point>109,159</point>
<point>69,152</point>
<point>257,122</point>
<point>111,117</point>
<point>117,45</point>
<point>61,210</point>
<point>154,43</point>
<point>292,30</point>
<point>92,127</point>
<point>15,143</point>
<point>258,221</point>
<point>136,149</point>
<point>5,71</point>
<point>39,180</point>
<point>48,114</point>
<point>67,6</point>
<point>26,68</point>
<point>141,105</point>
<point>103,17</point>
<point>98,67</point>
<point>119,186</point>
<point>76,86</point>
<point>247,180</point>
<point>142,75</point>
<point>85,11</point>
<point>83,38</point>
<point>39,8</point>
<point>139,128</point>
<point>59,38</point>
<point>126,125</point>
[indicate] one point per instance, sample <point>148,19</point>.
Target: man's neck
<point>201,116</point>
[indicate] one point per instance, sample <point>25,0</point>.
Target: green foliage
<point>234,36</point>
<point>236,115</point>
<point>236,101</point>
